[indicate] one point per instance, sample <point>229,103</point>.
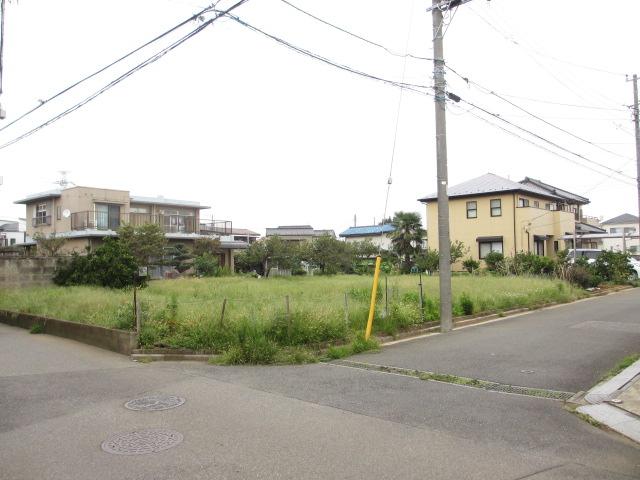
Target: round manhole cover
<point>142,442</point>
<point>155,402</point>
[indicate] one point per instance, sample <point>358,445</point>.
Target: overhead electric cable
<point>354,35</point>
<point>537,117</point>
<point>118,60</point>
<point>540,137</point>
<point>122,77</point>
<point>408,86</point>
<point>553,152</point>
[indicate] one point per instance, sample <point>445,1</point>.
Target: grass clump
<point>36,328</point>
<point>358,345</point>
<point>620,366</point>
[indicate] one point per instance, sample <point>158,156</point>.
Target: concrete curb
<point>171,357</point>
<point>613,387</point>
<point>613,417</point>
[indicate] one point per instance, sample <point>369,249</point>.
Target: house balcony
<point>216,227</point>
<point>41,221</point>
<point>93,220</point>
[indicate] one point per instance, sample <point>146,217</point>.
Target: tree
<point>458,250</point>
<point>145,242</point>
<point>407,237</point>
<point>329,254</point>
<point>206,245</point>
<point>428,260</point>
<point>180,257</point>
<point>270,252</point>
<point>109,265</point>
<point>50,246</point>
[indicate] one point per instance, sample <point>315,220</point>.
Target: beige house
<point>297,233</point>
<point>491,213</point>
<point>85,215</point>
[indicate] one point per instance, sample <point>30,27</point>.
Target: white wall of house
<point>380,241</point>
<point>616,243</point>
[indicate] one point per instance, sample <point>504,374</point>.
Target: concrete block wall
<point>26,272</point>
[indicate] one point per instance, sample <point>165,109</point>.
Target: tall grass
<point>186,313</point>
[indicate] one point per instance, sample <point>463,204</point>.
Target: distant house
<point>379,235</point>
<point>298,233</point>
<point>610,236</point>
<point>494,214</point>
<point>86,215</point>
<point>12,232</point>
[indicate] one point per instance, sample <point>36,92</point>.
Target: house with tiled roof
<point>379,235</point>
<point>491,213</point>
<point>297,233</point>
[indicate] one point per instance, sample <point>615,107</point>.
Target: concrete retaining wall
<point>119,341</point>
<point>26,272</point>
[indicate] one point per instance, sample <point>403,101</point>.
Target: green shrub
<point>207,265</point>
<point>613,267</point>
<point>466,304</point>
<point>110,265</point>
<point>493,260</point>
<point>471,265</point>
<point>583,276</point>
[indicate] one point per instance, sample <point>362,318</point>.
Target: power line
<point>510,132</point>
<point>122,77</point>
<point>97,72</point>
<point>540,137</point>
<point>354,35</point>
<point>537,117</point>
<point>408,86</point>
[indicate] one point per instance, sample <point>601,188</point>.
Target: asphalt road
<point>59,400</point>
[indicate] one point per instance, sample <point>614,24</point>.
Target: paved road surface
<point>59,400</point>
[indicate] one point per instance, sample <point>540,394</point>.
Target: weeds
<point>36,328</point>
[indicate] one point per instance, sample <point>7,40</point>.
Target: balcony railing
<point>109,221</point>
<point>216,227</point>
<point>41,220</point>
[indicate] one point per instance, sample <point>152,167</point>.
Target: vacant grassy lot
<point>187,312</point>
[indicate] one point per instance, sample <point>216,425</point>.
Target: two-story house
<point>492,213</point>
<point>379,235</point>
<point>85,215</point>
<point>297,233</point>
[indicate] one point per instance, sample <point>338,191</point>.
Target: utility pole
<point>444,245</point>
<point>2,13</point>
<point>636,120</point>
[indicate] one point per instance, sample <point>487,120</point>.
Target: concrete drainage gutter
<point>603,400</point>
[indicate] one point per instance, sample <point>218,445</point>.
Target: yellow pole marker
<point>374,297</point>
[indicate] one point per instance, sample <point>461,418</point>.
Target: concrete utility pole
<point>636,120</point>
<point>444,245</point>
<point>2,13</point>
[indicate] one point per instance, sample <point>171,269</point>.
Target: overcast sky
<point>268,137</point>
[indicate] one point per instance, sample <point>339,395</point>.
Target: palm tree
<point>407,237</point>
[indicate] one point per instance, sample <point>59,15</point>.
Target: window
<point>536,204</point>
<point>12,241</point>
<point>556,246</point>
<point>41,214</point>
<point>472,209</point>
<point>489,246</point>
<point>59,213</point>
<point>523,202</point>
<point>496,207</point>
<point>615,230</point>
<point>107,216</point>
<point>547,206</point>
<point>539,247</point>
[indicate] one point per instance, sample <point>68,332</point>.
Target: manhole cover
<point>142,442</point>
<point>155,402</point>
